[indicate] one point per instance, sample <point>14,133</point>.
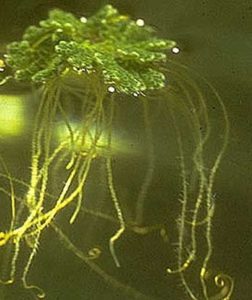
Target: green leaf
<point>122,53</point>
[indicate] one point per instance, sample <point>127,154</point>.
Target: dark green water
<point>215,39</point>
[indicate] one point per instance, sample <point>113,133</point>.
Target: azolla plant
<point>95,77</point>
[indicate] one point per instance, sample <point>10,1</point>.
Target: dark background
<point>216,40</point>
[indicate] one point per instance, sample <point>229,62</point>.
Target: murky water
<point>215,43</point>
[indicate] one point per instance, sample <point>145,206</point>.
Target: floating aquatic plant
<point>123,54</point>
<point>89,63</point>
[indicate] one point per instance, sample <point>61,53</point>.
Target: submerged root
<point>198,195</point>
<point>222,281</point>
<point>133,293</point>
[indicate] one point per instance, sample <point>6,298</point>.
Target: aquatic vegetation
<point>88,75</point>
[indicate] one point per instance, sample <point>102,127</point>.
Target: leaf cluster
<point>125,55</point>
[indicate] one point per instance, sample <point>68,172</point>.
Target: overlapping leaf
<point>125,55</point>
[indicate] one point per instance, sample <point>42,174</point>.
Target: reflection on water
<point>119,145</point>
<point>12,117</point>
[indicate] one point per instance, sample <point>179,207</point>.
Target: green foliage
<point>125,55</point>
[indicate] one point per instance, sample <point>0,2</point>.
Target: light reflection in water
<point>12,115</point>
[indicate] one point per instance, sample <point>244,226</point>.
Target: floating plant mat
<point>116,119</point>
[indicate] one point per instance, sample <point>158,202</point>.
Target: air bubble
<point>83,20</point>
<point>140,22</point>
<point>175,50</point>
<point>111,89</point>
